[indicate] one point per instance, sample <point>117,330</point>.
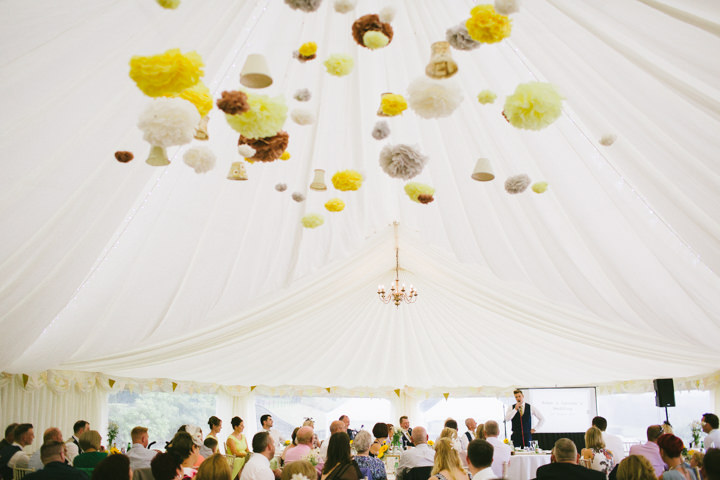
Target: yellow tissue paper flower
<point>339,64</point>
<point>265,118</point>
<point>430,442</point>
<point>374,39</point>
<point>199,95</point>
<point>533,106</point>
<point>392,104</point>
<point>166,74</point>
<point>539,187</point>
<point>312,220</point>
<point>285,155</point>
<point>308,49</point>
<point>335,205</point>
<point>487,26</point>
<point>170,4</point>
<point>346,180</point>
<point>486,96</point>
<point>415,189</point>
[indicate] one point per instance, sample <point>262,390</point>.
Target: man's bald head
<point>419,436</point>
<point>337,426</point>
<point>304,435</point>
<point>470,424</point>
<point>52,434</point>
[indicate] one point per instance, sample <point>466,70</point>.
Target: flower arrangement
<point>346,180</point>
<point>533,106</point>
<point>311,220</point>
<point>335,205</point>
<point>396,439</point>
<point>392,104</point>
<point>287,442</point>
<point>485,25</point>
<point>486,96</point>
<point>416,190</point>
<point>265,118</point>
<point>166,74</point>
<point>313,455</point>
<point>112,432</point>
<point>431,443</point>
<point>383,449</point>
<point>695,429</point>
<point>339,64</point>
<point>114,450</point>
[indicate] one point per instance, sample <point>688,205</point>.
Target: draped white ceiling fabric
<point>611,275</point>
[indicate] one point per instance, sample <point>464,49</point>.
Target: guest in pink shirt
<point>304,439</point>
<point>650,450</point>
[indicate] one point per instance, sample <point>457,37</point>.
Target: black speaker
<point>664,392</point>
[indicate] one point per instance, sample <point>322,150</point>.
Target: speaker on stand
<point>664,394</point>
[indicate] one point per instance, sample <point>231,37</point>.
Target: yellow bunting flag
<point>446,395</point>
<point>25,380</point>
<point>111,382</point>
<point>328,389</point>
<point>397,392</point>
<point>253,387</point>
<point>174,386</point>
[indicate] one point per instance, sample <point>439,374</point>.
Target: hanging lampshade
<point>441,63</point>
<point>157,157</point>
<point>237,172</point>
<point>483,171</point>
<point>255,73</point>
<point>318,182</point>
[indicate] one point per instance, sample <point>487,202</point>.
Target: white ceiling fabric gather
<point>612,274</point>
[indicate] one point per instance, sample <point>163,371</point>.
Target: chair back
<point>418,473</point>
<point>230,460</point>
<point>19,473</point>
<point>143,474</point>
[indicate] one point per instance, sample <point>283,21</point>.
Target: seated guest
<point>166,466</point>
<point>300,467</point>
<point>9,436</point>
<point>635,467</point>
<point>650,450</point>
<point>710,426</point>
<point>304,439</point>
<point>419,456</point>
<point>380,432</point>
<point>667,427</point>
<point>215,425</point>
<point>335,427</point>
<point>595,456</point>
<point>671,448</point>
<point>292,444</point>
<point>613,443</point>
<point>479,459</point>
<point>52,434</point>
<point>185,449</point>
<point>696,461</point>
<point>52,454</point>
<point>90,445</point>
<point>711,464</point>
<point>451,423</point>
<point>451,433</point>
<point>139,455</point>
<point>339,464</point>
<point>258,465</point>
<point>362,443</point>
<point>197,437</point>
<point>501,452</point>
<point>447,464</point>
<point>73,443</point>
<point>13,456</point>
<point>215,467</point>
<point>211,444</point>
<point>564,464</point>
<point>113,467</point>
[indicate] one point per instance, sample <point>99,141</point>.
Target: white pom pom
<point>608,139</point>
<point>302,116</point>
<point>402,161</point>
<point>517,183</point>
<point>298,197</point>
<point>344,6</point>
<point>387,14</point>
<point>169,121</point>
<point>433,98</point>
<point>200,158</point>
<point>280,187</point>
<point>246,151</point>
<point>506,7</point>
<point>302,95</point>
<point>381,130</point>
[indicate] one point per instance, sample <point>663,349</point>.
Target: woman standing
<point>671,448</point>
<point>215,425</point>
<point>595,456</point>
<point>447,464</point>
<point>236,444</point>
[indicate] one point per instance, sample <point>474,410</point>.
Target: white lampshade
<point>483,171</point>
<point>255,73</point>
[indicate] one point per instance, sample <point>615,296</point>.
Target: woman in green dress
<point>236,444</point>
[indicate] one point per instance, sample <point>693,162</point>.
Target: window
<point>434,411</point>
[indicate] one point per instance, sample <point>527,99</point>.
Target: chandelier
<point>398,293</point>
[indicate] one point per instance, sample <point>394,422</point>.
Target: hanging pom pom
<point>285,156</point>
<point>166,74</point>
<point>402,161</point>
<point>169,4</point>
<point>246,150</point>
<point>339,64</point>
<point>347,180</point>
<point>200,158</point>
<point>312,220</point>
<point>486,96</point>
<point>533,106</point>
<point>304,5</point>
<point>302,95</point>
<point>374,40</point>
<point>198,95</point>
<point>387,14</point>
<point>335,205</point>
<point>233,102</point>
<point>539,187</point>
<point>392,104</point>
<point>487,26</point>
<point>517,183</point>
<point>507,7</point>
<point>298,197</point>
<point>265,118</point>
<point>267,149</point>
<point>459,38</point>
<point>168,121</point>
<point>124,157</point>
<point>608,139</point>
<point>280,187</point>
<point>302,116</point>
<point>368,23</point>
<point>433,98</point>
<point>344,6</point>
<point>381,130</point>
<point>417,190</point>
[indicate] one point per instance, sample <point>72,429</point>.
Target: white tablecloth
<point>523,467</point>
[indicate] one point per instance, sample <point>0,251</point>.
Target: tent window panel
<point>434,411</point>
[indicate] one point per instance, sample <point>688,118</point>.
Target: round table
<point>524,465</point>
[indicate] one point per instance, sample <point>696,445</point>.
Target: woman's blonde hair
<point>214,467</point>
<point>635,467</point>
<point>448,432</point>
<point>90,439</point>
<point>446,457</point>
<point>593,438</point>
<point>302,467</point>
<point>480,431</point>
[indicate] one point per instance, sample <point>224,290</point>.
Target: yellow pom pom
<point>339,64</point>
<point>312,220</point>
<point>166,74</point>
<point>374,39</point>
<point>487,26</point>
<point>539,187</point>
<point>249,159</point>
<point>199,95</point>
<point>169,4</point>
<point>486,96</point>
<point>392,104</point>
<point>265,118</point>
<point>346,180</point>
<point>335,205</point>
<point>415,189</point>
<point>308,49</point>
<point>285,155</point>
<point>533,106</point>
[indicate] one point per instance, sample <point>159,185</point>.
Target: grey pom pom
<point>402,161</point>
<point>304,5</point>
<point>506,7</point>
<point>298,197</point>
<point>608,139</point>
<point>458,37</point>
<point>302,95</point>
<point>280,187</point>
<point>517,183</point>
<point>381,130</point>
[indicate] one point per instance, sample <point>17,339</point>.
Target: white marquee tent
<point>146,275</point>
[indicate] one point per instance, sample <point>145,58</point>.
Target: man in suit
<point>564,465</point>
<point>52,454</point>
<point>406,432</point>
<point>520,416</point>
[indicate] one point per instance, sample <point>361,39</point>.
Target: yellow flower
<point>166,74</point>
<point>114,450</point>
<point>339,64</point>
<point>392,104</point>
<point>486,96</point>
<point>265,118</point>
<point>415,189</point>
<point>308,49</point>
<point>533,106</point>
<point>374,39</point>
<point>384,448</point>
<point>487,26</point>
<point>170,4</point>
<point>199,95</point>
<point>346,180</point>
<point>335,205</point>
<point>285,155</point>
<point>287,442</point>
<point>506,441</point>
<point>539,187</point>
<point>312,220</point>
<point>430,442</point>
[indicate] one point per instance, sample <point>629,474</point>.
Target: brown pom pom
<point>269,148</point>
<point>423,198</point>
<point>367,23</point>
<point>124,157</point>
<point>233,102</point>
